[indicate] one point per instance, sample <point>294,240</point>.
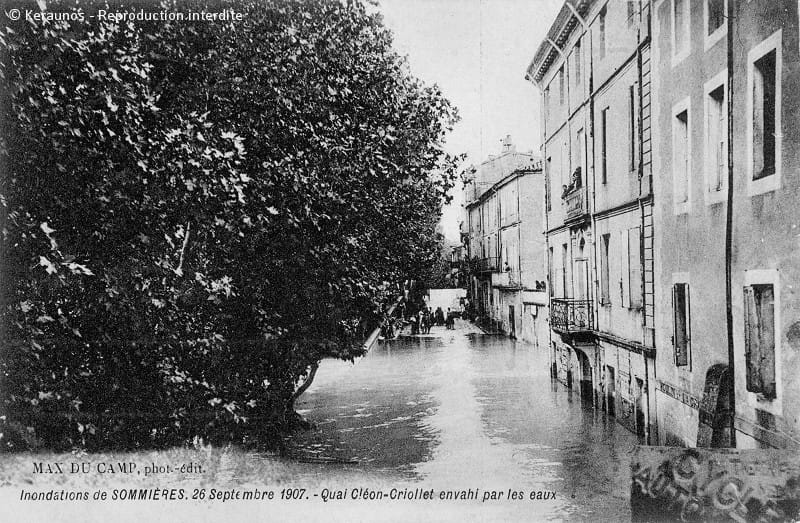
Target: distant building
<point>504,244</point>
<point>692,86</point>
<point>593,72</point>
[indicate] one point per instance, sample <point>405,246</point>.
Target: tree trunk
<point>296,420</point>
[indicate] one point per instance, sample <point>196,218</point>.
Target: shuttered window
<point>634,268</point>
<point>759,339</point>
<point>681,335</point>
<point>605,275</point>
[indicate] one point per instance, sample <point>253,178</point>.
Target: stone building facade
<point>593,72</point>
<point>503,236</point>
<point>705,390</point>
<point>670,144</point>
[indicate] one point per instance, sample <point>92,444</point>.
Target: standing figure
<point>439,316</point>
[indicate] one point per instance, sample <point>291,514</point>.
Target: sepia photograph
<point>400,260</point>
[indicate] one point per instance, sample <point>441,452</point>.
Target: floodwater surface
<point>458,409</point>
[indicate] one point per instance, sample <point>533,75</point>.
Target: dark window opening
<point>764,123</point>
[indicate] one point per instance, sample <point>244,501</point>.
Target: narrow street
<point>461,409</point>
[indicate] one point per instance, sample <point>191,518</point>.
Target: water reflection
<point>463,409</point>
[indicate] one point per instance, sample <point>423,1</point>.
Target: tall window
<point>631,12</point>
<point>634,268</point>
<point>716,150</point>
<point>601,44</point>
<point>549,180</point>
<point>576,57</point>
<point>564,265</point>
<point>561,89</point>
<point>681,156</point>
<point>604,145</point>
<point>547,102</point>
<point>764,121</point>
<point>633,127</point>
<point>680,28</point>
<point>681,323</point>
<point>579,153</point>
<point>605,295</point>
<point>715,15</point>
<point>552,282</point>
<point>759,336</point>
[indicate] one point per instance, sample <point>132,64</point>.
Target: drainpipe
<point>640,169</point>
<point>599,362</point>
<point>729,230</point>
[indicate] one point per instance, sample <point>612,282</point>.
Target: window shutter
<point>634,268</point>
<point>752,338</point>
<point>675,322</point>
<point>767,340</point>
<point>688,317</point>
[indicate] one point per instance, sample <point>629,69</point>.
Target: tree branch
<point>179,270</point>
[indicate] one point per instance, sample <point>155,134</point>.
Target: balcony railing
<point>488,264</point>
<point>569,315</point>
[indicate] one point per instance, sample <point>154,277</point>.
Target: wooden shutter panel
<point>675,322</point>
<point>680,306</point>
<point>752,339</point>
<point>688,317</point>
<point>766,309</point>
<point>634,267</point>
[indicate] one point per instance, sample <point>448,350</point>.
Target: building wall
<point>691,248</point>
<point>597,202</point>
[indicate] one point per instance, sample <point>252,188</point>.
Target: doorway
<point>586,385</point>
<point>512,327</point>
<point>611,389</point>
<point>640,398</point>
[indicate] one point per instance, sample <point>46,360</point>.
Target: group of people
<point>422,322</point>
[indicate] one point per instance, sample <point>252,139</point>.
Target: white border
<point>678,57</point>
<point>677,108</point>
<point>711,39</point>
<point>772,182</point>
<point>713,196</point>
<point>775,406</point>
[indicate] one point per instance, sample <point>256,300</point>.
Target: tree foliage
<point>195,213</point>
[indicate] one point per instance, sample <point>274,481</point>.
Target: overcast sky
<point>477,51</point>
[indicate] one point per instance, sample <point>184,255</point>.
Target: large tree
<point>195,214</point>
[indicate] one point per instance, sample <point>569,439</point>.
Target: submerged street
<point>461,409</point>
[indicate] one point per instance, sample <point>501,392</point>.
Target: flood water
<point>461,409</point>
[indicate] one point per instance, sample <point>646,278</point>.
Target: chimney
<point>508,146</point>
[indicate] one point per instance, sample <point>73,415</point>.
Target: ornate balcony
<point>571,316</point>
<point>575,202</point>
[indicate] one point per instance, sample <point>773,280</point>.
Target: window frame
<point>714,196</point>
<point>576,59</point>
<point>754,399</point>
<point>633,128</point>
<point>682,278</point>
<point>602,50</point>
<point>679,56</point>
<point>604,145</point>
<point>605,269</point>
<point>635,299</point>
<point>678,108</point>
<point>709,40</point>
<point>771,182</point>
